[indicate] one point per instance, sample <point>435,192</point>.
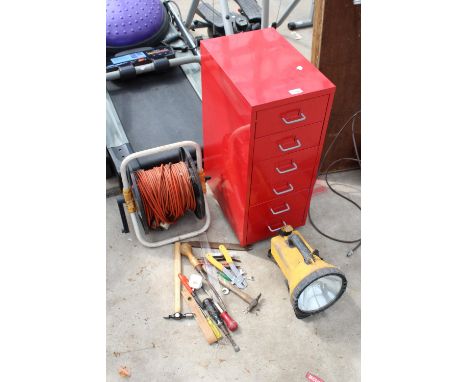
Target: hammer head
<point>253,303</point>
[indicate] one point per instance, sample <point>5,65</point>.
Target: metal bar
<point>299,24</point>
<point>287,12</point>
<point>215,245</point>
<point>182,29</point>
<point>140,69</point>
<point>120,203</point>
<point>191,13</point>
<point>265,13</point>
<point>226,18</point>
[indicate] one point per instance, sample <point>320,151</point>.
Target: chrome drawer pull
<point>282,211</point>
<point>300,119</point>
<point>298,144</point>
<point>289,189</point>
<point>277,229</point>
<point>292,168</point>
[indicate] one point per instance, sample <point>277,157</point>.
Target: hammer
<point>244,296</point>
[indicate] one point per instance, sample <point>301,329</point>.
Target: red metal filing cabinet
<point>265,114</point>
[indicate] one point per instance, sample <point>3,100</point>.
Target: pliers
<point>233,273</point>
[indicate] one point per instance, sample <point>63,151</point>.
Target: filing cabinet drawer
<point>273,178</point>
<point>266,219</point>
<point>287,142</point>
<point>290,116</point>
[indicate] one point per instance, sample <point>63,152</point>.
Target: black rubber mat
<point>158,109</point>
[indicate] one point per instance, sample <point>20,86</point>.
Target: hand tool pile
<point>206,304</point>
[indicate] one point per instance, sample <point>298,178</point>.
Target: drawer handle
<point>277,229</point>
<point>289,189</point>
<point>282,211</point>
<point>300,119</point>
<point>292,168</point>
<point>298,144</point>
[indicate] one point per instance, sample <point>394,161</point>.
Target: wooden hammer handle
<point>177,270</point>
<point>201,320</point>
<point>244,296</point>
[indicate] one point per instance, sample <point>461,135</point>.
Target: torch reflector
<point>320,293</point>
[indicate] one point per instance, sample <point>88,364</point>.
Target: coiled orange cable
<point>166,192</point>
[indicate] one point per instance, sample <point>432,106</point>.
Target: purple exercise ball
<point>132,22</point>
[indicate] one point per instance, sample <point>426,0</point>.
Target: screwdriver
<point>228,320</point>
<point>211,309</point>
<point>193,293</point>
<point>186,250</point>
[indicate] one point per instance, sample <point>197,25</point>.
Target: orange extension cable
<point>166,192</point>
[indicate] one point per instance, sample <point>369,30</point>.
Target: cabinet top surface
<point>265,67</point>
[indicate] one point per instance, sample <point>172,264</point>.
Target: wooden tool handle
<point>177,270</point>
<point>244,296</point>
<point>186,250</point>
<point>201,320</point>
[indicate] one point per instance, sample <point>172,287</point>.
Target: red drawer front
<point>276,177</point>
<point>290,116</point>
<point>287,142</point>
<point>266,219</point>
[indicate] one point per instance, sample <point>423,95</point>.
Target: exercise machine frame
<point>228,18</point>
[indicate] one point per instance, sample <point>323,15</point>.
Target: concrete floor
<point>275,346</point>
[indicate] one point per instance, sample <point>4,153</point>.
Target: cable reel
<point>195,183</point>
<point>158,197</point>
<point>143,206</point>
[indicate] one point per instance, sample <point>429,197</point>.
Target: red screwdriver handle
<point>185,282</point>
<point>228,320</point>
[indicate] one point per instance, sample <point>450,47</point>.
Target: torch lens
<point>320,293</point>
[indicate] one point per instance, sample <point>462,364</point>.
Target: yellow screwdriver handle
<point>214,262</point>
<point>225,252</point>
<point>214,328</point>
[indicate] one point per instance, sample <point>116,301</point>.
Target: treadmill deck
<point>155,110</point>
